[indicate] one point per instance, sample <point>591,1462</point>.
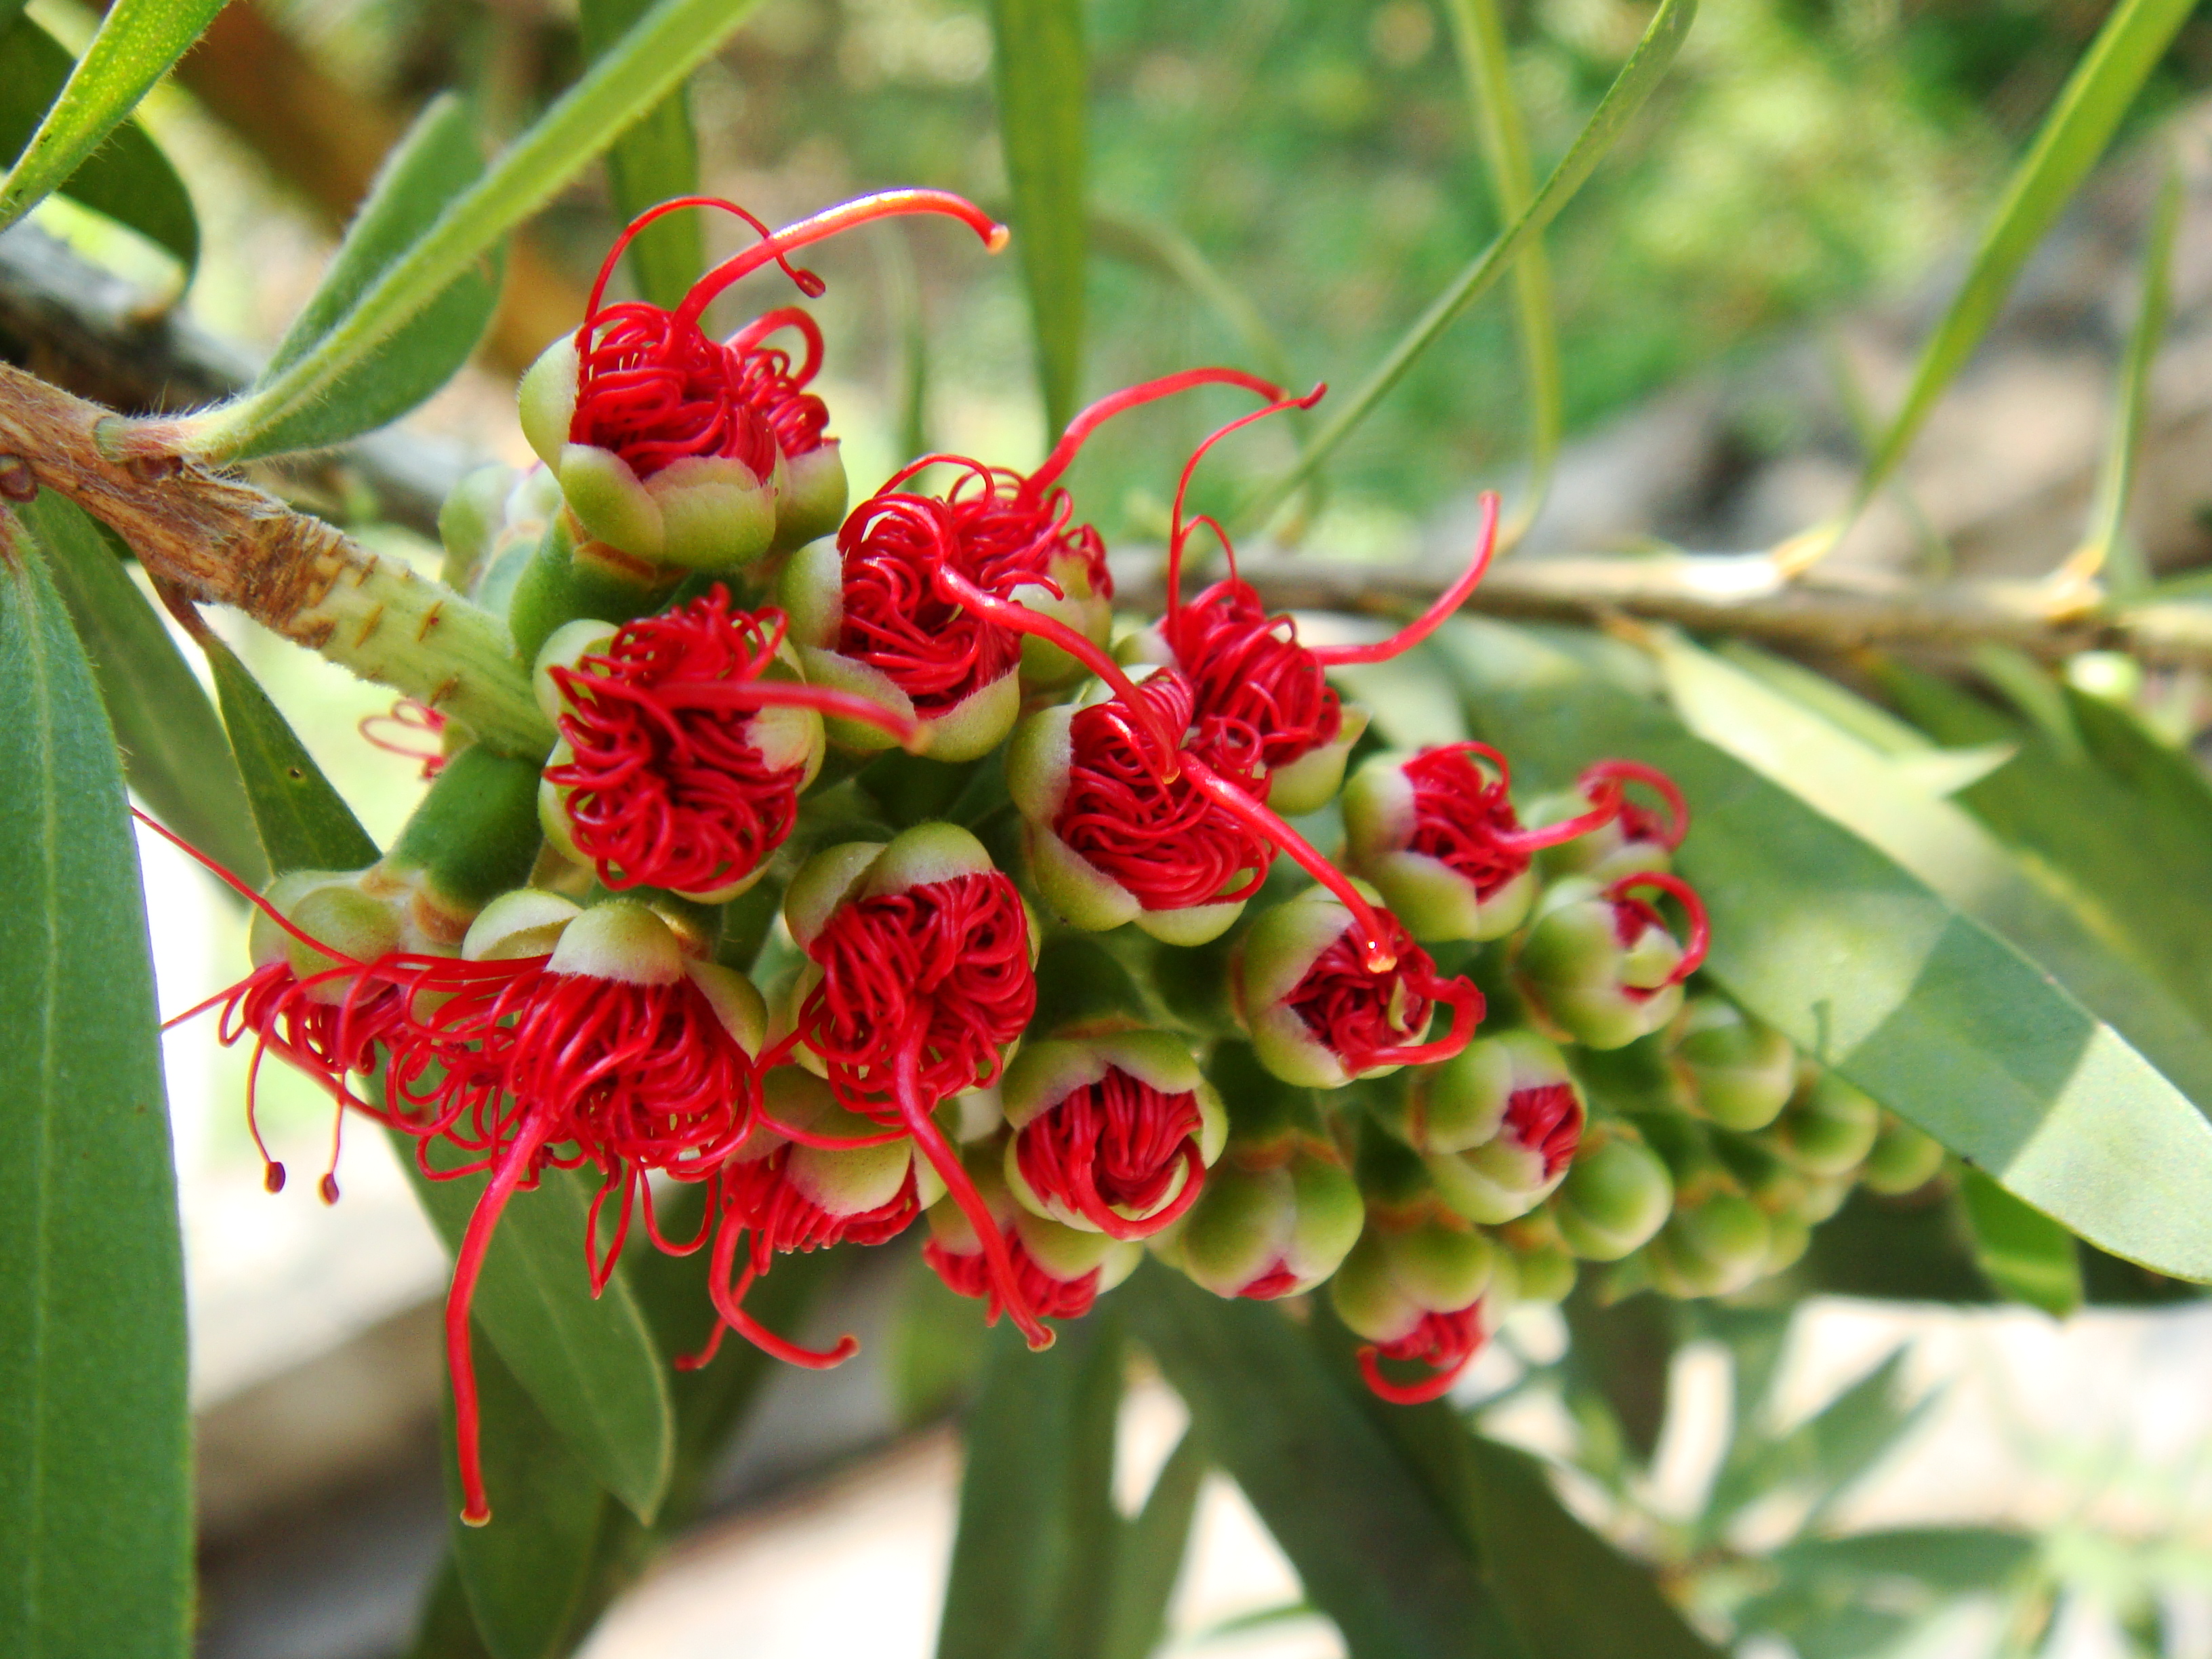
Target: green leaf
<point>1479,33</point>
<point>2024,1253</point>
<point>1033,1563</point>
<point>1165,250</point>
<point>447,1629</point>
<point>304,822</point>
<point>650,62</point>
<point>95,1485</point>
<point>1864,966</point>
<point>591,1364</point>
<point>2051,922</point>
<point>1369,1542</point>
<point>525,1576</point>
<point>435,163</point>
<point>2073,136</point>
<point>1663,37</point>
<point>656,160</point>
<point>1148,1558</point>
<point>174,753</point>
<point>1963,1559</point>
<point>138,41</point>
<point>1044,96</point>
<point>128,178</point>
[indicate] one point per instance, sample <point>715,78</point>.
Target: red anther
<point>831,221</point>
<point>327,1188</point>
<point>666,787</point>
<point>1446,1342</point>
<point>970,1275</point>
<point>1447,603</point>
<point>1632,915</point>
<point>1547,1118</point>
<point>272,1174</point>
<point>1115,1145</point>
<point>1604,780</point>
<point>1368,1017</point>
<point>409,719</point>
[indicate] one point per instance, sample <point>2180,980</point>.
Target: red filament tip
<point>833,222</point>
<point>1445,605</point>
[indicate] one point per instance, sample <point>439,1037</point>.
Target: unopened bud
<point>1741,1071</point>
<point>1439,839</point>
<point>1828,1128</point>
<point>1710,1248</point>
<point>1616,1195</point>
<point>1498,1123</point>
<point>1600,963</point>
<point>1903,1159</point>
<point>1268,1230</point>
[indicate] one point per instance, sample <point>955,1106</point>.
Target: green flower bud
<point>1741,1071</point>
<point>356,926</point>
<point>812,502</point>
<point>1045,666</point>
<point>527,922</point>
<point>1535,1266</point>
<point>1267,1230</point>
<point>1486,894</point>
<point>1395,1276</point>
<point>1598,963</point>
<point>472,517</point>
<point>1715,1247</point>
<point>1829,1130</point>
<point>1310,782</point>
<point>1903,1160</point>
<point>1616,1195</point>
<point>1499,1122</point>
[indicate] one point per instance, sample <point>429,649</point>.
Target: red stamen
<point>1434,617</point>
<point>1114,1146</point>
<point>460,1362</point>
<point>1177,529</point>
<point>1639,822</point>
<point>1633,915</point>
<point>1448,1342</point>
<point>971,1275</point>
<point>1547,1119</point>
<point>832,221</point>
<point>1278,1280</point>
<point>1462,818</point>
<point>897,618</point>
<point>808,282</point>
<point>1366,1017</point>
<point>1089,419</point>
<point>799,418</point>
<point>412,720</point>
<point>1245,664</point>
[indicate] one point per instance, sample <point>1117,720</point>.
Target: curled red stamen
<point>1178,530</point>
<point>970,1275</point>
<point>1639,822</point>
<point>832,221</point>
<point>800,419</point>
<point>1114,1146</point>
<point>1246,666</point>
<point>1131,396</point>
<point>1463,818</point>
<point>1368,1017</point>
<point>1446,1342</point>
<point>1547,1119</point>
<point>1635,914</point>
<point>409,721</point>
<point>1446,603</point>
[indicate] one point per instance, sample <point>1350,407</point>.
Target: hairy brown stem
<point>215,539</point>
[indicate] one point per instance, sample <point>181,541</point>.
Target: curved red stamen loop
<point>1177,529</point>
<point>1693,953</point>
<point>599,1266</point>
<point>885,204</point>
<point>945,1158</point>
<point>1102,1215</point>
<point>1131,396</point>
<point>245,892</point>
<point>782,694</point>
<point>728,1299</point>
<point>792,1132</point>
<point>468,1265</point>
<point>1618,772</point>
<point>1467,1005</point>
<point>1434,1386</point>
<point>1021,619</point>
<point>809,284</point>
<point>652,1226</point>
<point>413,719</point>
<point>783,317</point>
<point>1374,941</point>
<point>1438,614</point>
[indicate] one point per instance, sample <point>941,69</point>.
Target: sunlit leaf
<point>138,41</point>
<point>175,756</point>
<point>127,177</point>
<point>95,1486</point>
<point>435,163</point>
<point>1867,967</point>
<point>1044,97</point>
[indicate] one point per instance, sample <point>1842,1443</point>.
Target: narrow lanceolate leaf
<point>1871,970</point>
<point>1148,1560</point>
<point>175,756</point>
<point>1033,1564</point>
<point>650,62</point>
<point>2025,1254</point>
<point>1479,33</point>
<point>304,823</point>
<point>2073,136</point>
<point>128,178</point>
<point>524,1578</point>
<point>2057,924</point>
<point>95,1491</point>
<point>1044,98</point>
<point>2107,547</point>
<point>137,42</point>
<point>433,164</point>
<point>591,1364</point>
<point>1369,1542</point>
<point>654,160</point>
<point>1663,37</point>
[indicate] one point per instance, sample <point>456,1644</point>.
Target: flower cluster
<point>1271,1081</point>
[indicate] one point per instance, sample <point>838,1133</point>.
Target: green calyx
<point>1616,1195</point>
<point>474,836</point>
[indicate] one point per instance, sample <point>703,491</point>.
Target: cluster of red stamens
<point>1370,1017</point>
<point>1117,1145</point>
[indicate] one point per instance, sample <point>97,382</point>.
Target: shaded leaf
<point>1361,1528</point>
<point>1864,966</point>
<point>1044,98</point>
<point>1148,1558</point>
<point>175,755</point>
<point>138,41</point>
<point>128,178</point>
<point>95,1492</point>
<point>304,822</point>
<point>2022,1251</point>
<point>650,61</point>
<point>436,162</point>
<point>1033,1563</point>
<point>2073,136</point>
<point>446,1629</point>
<point>1959,1559</point>
<point>656,160</point>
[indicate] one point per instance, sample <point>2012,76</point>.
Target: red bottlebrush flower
<point>921,974</point>
<point>1322,1013</point>
<point>1112,1134</point>
<point>686,740</point>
